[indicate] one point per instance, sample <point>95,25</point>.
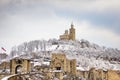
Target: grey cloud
<point>87,5</point>
<point>75,5</point>
<point>31,19</point>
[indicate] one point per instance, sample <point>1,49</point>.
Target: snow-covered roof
<point>46,63</point>
<point>5,60</point>
<point>57,71</point>
<point>80,68</point>
<point>37,64</point>
<point>18,57</point>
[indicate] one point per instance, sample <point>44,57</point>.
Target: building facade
<point>69,35</point>
<point>60,62</point>
<point>18,65</point>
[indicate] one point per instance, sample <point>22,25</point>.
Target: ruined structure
<point>99,74</point>
<point>69,35</point>
<point>18,65</point>
<point>60,62</point>
<point>58,68</point>
<point>5,65</point>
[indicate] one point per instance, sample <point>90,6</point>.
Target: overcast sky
<point>97,21</point>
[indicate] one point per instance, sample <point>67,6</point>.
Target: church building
<point>69,35</point>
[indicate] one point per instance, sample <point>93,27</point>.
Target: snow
<point>50,48</point>
<point>80,68</point>
<point>55,79</point>
<point>46,63</point>
<point>16,56</point>
<point>5,71</point>
<point>37,64</point>
<point>7,77</point>
<point>87,54</point>
<point>56,71</point>
<point>5,60</point>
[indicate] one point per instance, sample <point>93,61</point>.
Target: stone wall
<point>5,65</point>
<point>23,63</point>
<point>99,74</point>
<point>60,62</point>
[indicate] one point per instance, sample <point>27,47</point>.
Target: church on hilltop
<point>69,35</point>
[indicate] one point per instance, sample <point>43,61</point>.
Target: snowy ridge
<point>87,54</point>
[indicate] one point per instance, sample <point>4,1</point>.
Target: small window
<point>58,68</point>
<point>18,61</point>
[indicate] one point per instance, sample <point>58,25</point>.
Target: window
<point>18,61</point>
<point>58,68</point>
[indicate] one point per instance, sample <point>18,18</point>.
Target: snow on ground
<point>7,77</point>
<point>87,54</point>
<point>80,68</point>
<point>46,63</point>
<point>37,64</point>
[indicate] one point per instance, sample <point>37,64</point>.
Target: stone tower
<point>18,65</point>
<point>60,62</point>
<point>72,33</point>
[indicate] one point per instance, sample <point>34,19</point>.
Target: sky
<point>97,21</point>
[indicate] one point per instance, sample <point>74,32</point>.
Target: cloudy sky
<point>97,21</point>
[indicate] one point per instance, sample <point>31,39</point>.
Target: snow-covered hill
<point>87,54</point>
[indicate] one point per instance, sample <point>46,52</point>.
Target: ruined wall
<point>73,67</point>
<point>113,75</point>
<point>2,75</point>
<point>60,60</point>
<point>23,63</point>
<point>68,65</point>
<point>5,65</point>
<point>99,74</point>
<point>59,75</point>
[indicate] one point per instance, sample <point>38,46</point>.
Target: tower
<point>69,35</point>
<point>72,33</point>
<point>66,32</point>
<point>18,65</point>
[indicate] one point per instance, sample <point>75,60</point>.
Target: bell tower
<point>72,33</point>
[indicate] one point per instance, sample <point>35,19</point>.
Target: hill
<point>87,54</point>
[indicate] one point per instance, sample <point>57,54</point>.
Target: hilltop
<point>88,55</point>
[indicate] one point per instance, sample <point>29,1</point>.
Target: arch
<point>58,66</point>
<point>20,65</point>
<point>18,69</point>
